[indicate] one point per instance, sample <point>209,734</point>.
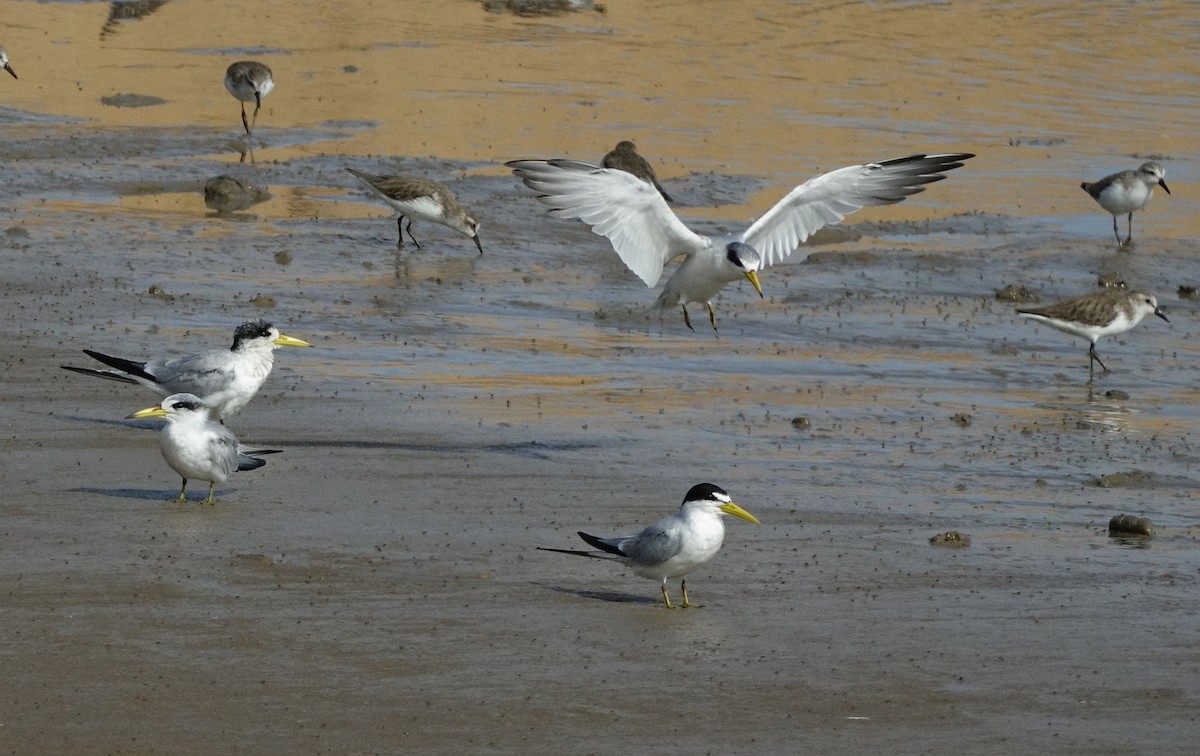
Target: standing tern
<point>196,447</point>
<point>225,380</point>
<point>647,235</point>
<point>675,545</point>
<point>1127,191</point>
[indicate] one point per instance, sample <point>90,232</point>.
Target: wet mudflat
<point>375,588</point>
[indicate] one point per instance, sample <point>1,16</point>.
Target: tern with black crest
<point>647,235</point>
<point>223,379</point>
<point>676,545</point>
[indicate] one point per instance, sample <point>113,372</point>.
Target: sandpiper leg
<point>1094,358</point>
<point>1128,238</point>
<point>688,322</point>
<point>712,315</point>
<point>408,228</point>
<point>245,123</point>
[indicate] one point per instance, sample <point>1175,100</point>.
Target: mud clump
<point>225,194</point>
<point>540,7</point>
<point>122,100</point>
<point>951,539</point>
<point>1130,479</point>
<point>158,292</point>
<point>1127,525</point>
<point>1017,294</point>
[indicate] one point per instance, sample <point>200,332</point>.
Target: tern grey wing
<point>248,459</point>
<point>608,545</point>
<point>137,369</point>
<point>223,450</point>
<point>654,545</point>
<point>618,205</point>
<point>108,375</point>
<point>830,197</point>
<point>246,462</point>
<point>202,374</point>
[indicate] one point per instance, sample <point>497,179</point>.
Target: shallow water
<point>375,588</point>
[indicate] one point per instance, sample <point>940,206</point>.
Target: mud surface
<point>375,588</point>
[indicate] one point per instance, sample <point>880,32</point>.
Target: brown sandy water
<point>375,587</point>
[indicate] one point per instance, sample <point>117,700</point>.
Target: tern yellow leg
<point>683,589</point>
<point>182,495</point>
<point>211,487</point>
<point>666,598</point>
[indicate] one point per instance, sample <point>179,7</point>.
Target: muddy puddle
<point>375,588</point>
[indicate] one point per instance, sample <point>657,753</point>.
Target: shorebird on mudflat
<point>1122,193</point>
<point>418,197</point>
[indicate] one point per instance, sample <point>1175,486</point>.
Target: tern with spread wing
<point>675,545</point>
<point>647,234</point>
<point>223,379</point>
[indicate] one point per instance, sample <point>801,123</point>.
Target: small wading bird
<point>625,157</point>
<point>223,379</point>
<point>1097,314</point>
<point>249,81</point>
<point>196,447</point>
<point>675,545</point>
<point>1122,193</point>
<point>4,62</point>
<point>647,235</point>
<point>417,197</point>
